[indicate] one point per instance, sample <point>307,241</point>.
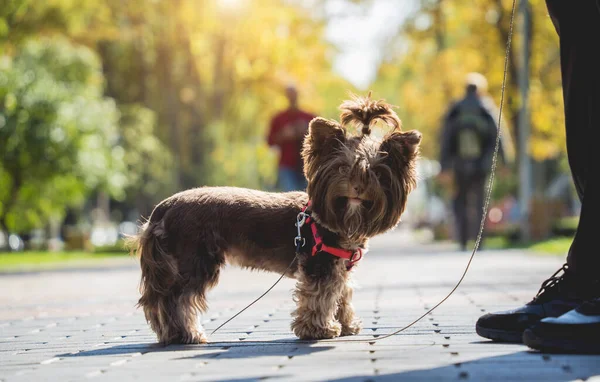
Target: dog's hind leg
<point>174,319</point>
<point>174,286</point>
<point>201,274</point>
<point>198,273</point>
<point>175,316</point>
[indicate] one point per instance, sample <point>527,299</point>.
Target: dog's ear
<point>400,148</point>
<point>323,131</point>
<point>324,137</point>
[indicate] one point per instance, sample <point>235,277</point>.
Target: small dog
<point>357,188</point>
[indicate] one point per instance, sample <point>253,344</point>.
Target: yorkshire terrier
<point>357,188</point>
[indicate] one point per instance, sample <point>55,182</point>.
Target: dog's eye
<point>344,170</point>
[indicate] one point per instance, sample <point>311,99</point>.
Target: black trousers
<point>468,204</point>
<point>578,25</point>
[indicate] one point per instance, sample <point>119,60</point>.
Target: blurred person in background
<point>468,140</point>
<point>287,132</point>
<point>564,316</point>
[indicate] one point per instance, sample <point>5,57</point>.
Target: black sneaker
<point>577,331</point>
<point>557,295</point>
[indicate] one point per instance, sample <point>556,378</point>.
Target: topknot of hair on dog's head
<point>365,111</point>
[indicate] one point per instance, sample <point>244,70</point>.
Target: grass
<point>43,259</point>
<point>559,246</point>
<point>554,246</point>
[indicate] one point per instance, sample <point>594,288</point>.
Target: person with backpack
<point>468,140</point>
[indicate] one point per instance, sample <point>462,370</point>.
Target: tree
<point>444,40</point>
<point>214,77</point>
<point>58,133</point>
<point>148,161</point>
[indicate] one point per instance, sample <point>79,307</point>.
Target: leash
<point>486,205</point>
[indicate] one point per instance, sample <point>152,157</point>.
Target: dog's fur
<point>358,187</point>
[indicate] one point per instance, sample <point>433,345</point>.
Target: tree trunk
<point>15,174</point>
<point>439,23</point>
<point>166,83</point>
<point>4,226</point>
<point>503,25</point>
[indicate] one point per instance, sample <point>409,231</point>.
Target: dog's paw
<point>199,338</point>
<point>308,331</point>
<point>194,338</point>
<point>354,328</point>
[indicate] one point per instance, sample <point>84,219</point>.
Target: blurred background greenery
<point>108,106</point>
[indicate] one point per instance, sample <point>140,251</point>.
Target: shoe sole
<point>559,345</point>
<point>500,335</point>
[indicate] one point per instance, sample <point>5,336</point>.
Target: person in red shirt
<point>287,132</point>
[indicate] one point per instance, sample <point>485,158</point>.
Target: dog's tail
<point>364,112</point>
<point>159,274</point>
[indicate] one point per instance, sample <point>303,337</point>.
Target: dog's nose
<point>357,189</point>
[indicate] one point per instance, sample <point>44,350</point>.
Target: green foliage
<point>230,162</point>
<point>149,163</point>
<point>192,86</point>
<point>57,132</point>
<point>21,19</point>
<point>505,184</point>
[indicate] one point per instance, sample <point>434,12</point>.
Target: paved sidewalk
<point>82,324</point>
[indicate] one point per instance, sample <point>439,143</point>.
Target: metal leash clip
<point>299,241</point>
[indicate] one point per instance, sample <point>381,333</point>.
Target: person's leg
<point>578,25</point>
<point>301,182</point>
<point>460,210</point>
<point>286,179</point>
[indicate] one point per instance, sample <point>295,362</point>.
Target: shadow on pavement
<point>221,350</point>
<point>520,366</point>
<point>119,350</point>
<point>261,349</point>
<point>282,377</point>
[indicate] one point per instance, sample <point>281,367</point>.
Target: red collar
<point>352,256</point>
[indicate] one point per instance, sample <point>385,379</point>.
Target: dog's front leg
<point>345,315</point>
<point>317,300</point>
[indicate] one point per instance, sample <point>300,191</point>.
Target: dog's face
<point>358,185</point>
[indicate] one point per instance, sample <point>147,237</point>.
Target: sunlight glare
<point>231,4</point>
